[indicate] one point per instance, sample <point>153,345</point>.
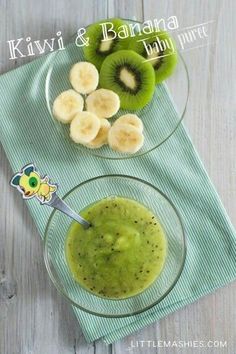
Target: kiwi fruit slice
<point>98,50</point>
<point>161,52</point>
<point>127,74</point>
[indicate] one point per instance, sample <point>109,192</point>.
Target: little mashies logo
<point>186,38</point>
<point>188,344</point>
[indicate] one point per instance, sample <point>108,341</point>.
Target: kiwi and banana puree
<point>121,254</point>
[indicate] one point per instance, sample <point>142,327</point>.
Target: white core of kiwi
<point>128,78</point>
<point>105,46</point>
<point>154,58</point>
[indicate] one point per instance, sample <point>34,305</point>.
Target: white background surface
<point>34,319</point>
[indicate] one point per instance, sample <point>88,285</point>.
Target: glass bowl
<point>89,192</point>
<point>161,117</point>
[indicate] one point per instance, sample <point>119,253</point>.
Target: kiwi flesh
<point>159,48</point>
<point>127,74</point>
<point>98,48</point>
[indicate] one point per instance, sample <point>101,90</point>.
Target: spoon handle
<point>32,185</point>
<point>59,204</point>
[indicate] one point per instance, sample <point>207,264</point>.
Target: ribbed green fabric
<point>27,133</point>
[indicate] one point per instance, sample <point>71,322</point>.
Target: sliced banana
<point>104,103</point>
<point>84,127</point>
<point>84,77</point>
<point>66,105</point>
<point>131,119</point>
<point>125,138</point>
<point>101,138</point>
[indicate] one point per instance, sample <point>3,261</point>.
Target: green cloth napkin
<point>27,133</point>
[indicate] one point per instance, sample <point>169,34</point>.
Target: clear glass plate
<point>161,117</point>
<point>89,192</point>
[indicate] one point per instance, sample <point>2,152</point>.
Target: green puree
<point>123,251</point>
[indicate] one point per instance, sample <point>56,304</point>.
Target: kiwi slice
<point>127,74</point>
<point>98,50</point>
<point>161,52</point>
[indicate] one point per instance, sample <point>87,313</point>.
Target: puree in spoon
<point>122,253</point>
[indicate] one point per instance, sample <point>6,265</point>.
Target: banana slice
<point>66,105</point>
<point>125,138</point>
<point>101,138</point>
<point>104,103</point>
<point>131,119</point>
<point>84,127</point>
<point>84,77</point>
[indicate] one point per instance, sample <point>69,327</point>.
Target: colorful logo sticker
<point>30,184</point>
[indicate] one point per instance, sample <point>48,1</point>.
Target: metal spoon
<point>59,204</point>
<point>31,185</point>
